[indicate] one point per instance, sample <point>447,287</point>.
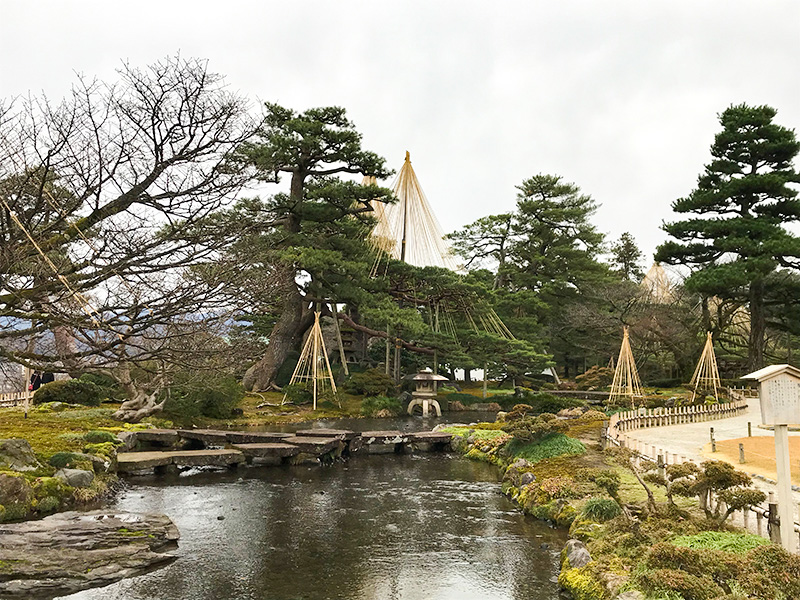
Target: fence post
<point>749,429</point>
<point>759,524</point>
<point>741,453</point>
<point>662,468</point>
<point>773,521</point>
<point>746,518</point>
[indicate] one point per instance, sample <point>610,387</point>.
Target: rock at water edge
<point>17,455</point>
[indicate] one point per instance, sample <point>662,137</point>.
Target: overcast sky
<point>619,97</point>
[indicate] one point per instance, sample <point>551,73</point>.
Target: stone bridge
<point>164,450</point>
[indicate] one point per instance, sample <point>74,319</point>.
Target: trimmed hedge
<point>70,391</point>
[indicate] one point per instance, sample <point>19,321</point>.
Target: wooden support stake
<point>342,355</point>
<point>773,521</point>
<point>741,453</point>
<point>388,351</point>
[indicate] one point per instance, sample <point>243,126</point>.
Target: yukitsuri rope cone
<point>706,374</point>
<point>408,230</point>
<point>314,366</point>
<point>657,285</point>
<point>626,383</point>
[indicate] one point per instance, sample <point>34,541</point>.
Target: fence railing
<point>12,398</point>
<point>659,417</point>
<point>766,516</point>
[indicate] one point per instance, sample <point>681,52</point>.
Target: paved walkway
<point>692,440</point>
<point>688,439</point>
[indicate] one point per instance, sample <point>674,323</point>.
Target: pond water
<point>380,527</point>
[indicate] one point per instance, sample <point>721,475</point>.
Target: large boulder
<point>75,477</point>
<point>14,489</point>
<point>17,455</point>
<point>68,552</point>
<point>16,496</point>
<point>129,440</point>
<point>576,554</point>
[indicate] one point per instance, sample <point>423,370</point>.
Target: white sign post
<point>779,396</point>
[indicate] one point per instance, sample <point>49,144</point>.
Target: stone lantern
<point>424,394</point>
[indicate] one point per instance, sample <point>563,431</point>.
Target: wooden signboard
<point>779,394</point>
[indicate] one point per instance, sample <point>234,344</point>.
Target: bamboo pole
<point>342,355</point>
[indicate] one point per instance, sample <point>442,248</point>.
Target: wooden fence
<point>658,417</point>
<point>766,517</point>
<point>12,398</point>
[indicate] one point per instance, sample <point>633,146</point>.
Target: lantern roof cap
<point>427,375</point>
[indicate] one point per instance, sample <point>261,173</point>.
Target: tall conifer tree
<point>736,237</point>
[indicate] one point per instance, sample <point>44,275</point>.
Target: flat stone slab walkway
<point>136,461</point>
<point>313,445</point>
<point>339,434</point>
<point>256,437</point>
<point>268,450</point>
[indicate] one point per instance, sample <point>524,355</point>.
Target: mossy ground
<point>646,554</point>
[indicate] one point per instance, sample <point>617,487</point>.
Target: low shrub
<point>465,399</point>
<point>108,386</point>
<point>61,460</point>
<point>70,391</point>
<point>532,429</point>
<point>202,395</point>
<point>601,509</point>
<point>298,393</point>
<point>773,573</point>
<point>372,405</point>
<point>547,403</point>
<point>372,382</point>
<point>595,377</point>
<point>553,445</point>
<point>690,587</point>
<point>47,505</point>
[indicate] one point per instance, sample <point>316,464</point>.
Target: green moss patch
<point>553,445</point>
<point>737,543</point>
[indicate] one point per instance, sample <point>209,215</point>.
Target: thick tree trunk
<point>141,402</point>
<point>295,317</point>
<point>286,336</point>
<point>755,346</point>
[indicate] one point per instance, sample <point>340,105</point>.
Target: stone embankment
<point>68,552</point>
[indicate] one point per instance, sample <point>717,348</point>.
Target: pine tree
<point>736,234</point>
<point>627,258</point>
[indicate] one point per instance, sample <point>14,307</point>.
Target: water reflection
<point>376,527</point>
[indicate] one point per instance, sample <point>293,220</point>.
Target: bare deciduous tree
<point>101,195</point>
